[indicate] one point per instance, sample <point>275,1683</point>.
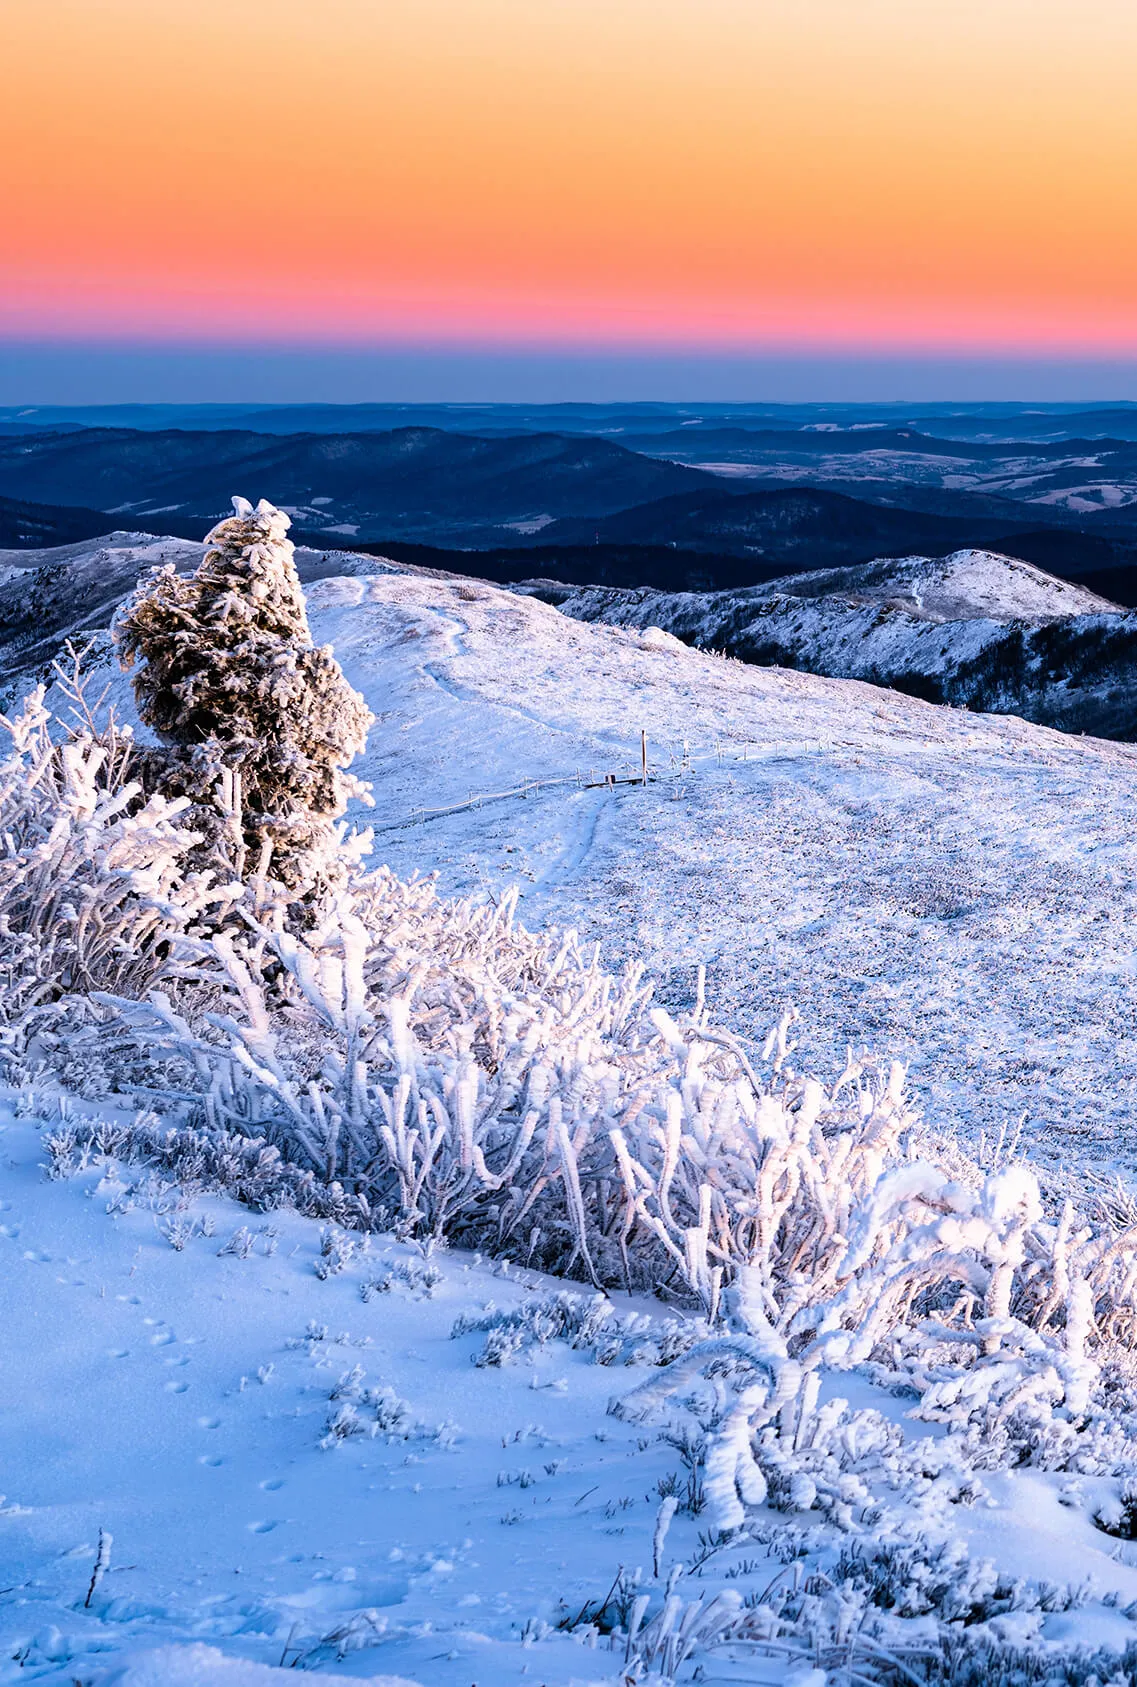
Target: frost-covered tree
<point>255,717</point>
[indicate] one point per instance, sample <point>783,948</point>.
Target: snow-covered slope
<point>966,586</point>
<point>237,1445</point>
<point>66,591</point>
<point>956,890</point>
<point>975,629</point>
<point>178,1361</point>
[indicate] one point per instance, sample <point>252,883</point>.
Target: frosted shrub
<point>226,674</point>
<point>498,1088</point>
<point>588,1324</point>
<point>362,1409</point>
<point>94,878</point>
<point>204,1162</point>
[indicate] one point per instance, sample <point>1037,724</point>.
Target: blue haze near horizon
<point>60,374</point>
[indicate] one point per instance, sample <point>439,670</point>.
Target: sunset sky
<point>867,177</point>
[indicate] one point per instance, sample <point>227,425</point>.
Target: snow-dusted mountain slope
<point>66,591</point>
<point>953,889</point>
<point>966,586</point>
<point>974,629</point>
<point>958,890</point>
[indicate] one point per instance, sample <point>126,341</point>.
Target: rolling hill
<point>410,482</point>
<point>974,629</point>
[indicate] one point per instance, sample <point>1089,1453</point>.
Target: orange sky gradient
<point>856,174</point>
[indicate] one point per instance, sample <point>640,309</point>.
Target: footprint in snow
<point>37,1256</point>
<point>163,1338</point>
<point>209,1423</point>
<point>118,1353</point>
<point>264,1528</point>
<point>273,1484</point>
<point>10,1230</point>
<point>213,1460</point>
<point>178,1359</point>
<point>176,1387</point>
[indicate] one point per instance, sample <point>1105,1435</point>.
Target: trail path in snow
<point>957,890</point>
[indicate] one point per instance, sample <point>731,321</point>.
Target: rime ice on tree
<point>227,675</point>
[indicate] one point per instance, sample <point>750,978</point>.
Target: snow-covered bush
<point>250,1170</point>
<point>364,1409</point>
<point>588,1324</point>
<point>968,1299</point>
<point>94,879</point>
<point>497,1088</point>
<point>225,672</point>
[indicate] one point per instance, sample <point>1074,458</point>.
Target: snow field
<point>176,1397</point>
<point>952,889</point>
<point>831,1464</point>
<point>182,1359</point>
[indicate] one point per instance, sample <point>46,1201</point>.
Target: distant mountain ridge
<point>998,421</point>
<point>417,482</point>
<point>974,629</point>
<point>788,520</point>
<point>748,503</point>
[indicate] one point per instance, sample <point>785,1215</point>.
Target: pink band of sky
<point>813,174</point>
